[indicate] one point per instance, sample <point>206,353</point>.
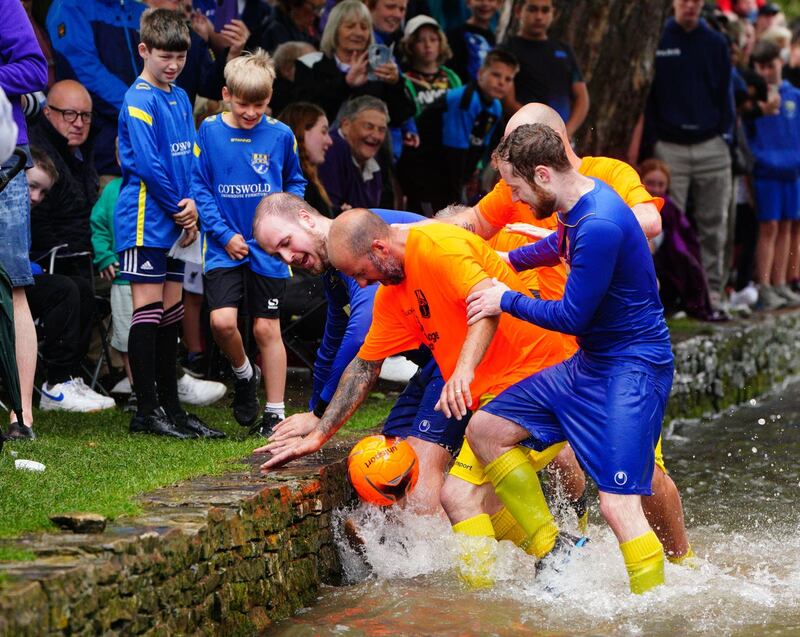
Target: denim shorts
<point>15,230</point>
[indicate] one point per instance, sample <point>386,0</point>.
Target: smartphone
<point>378,54</point>
<point>226,10</point>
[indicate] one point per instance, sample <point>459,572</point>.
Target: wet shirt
<point>442,264</point>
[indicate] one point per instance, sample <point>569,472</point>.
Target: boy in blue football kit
<point>156,134</point>
<point>242,156</point>
<point>608,399</point>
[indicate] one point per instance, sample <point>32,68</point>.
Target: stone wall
<point>227,555</point>
<point>230,555</point>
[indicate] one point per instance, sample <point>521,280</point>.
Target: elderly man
<point>351,173</point>
<point>62,134</point>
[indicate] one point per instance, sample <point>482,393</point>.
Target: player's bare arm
<point>357,379</point>
<point>471,219</point>
<point>456,396</point>
<point>649,218</point>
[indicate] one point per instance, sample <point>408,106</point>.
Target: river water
<point>740,478</point>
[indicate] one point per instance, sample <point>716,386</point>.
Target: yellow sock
<point>517,485</point>
<point>644,559</point>
<point>687,559</point>
<point>477,550</point>
<point>507,528</point>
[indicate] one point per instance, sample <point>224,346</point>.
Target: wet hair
<point>532,145</point>
<point>340,13</point>
<point>164,30</point>
<point>354,107</point>
<point>250,76</point>
<point>651,165</point>
<point>302,117</point>
<point>284,205</point>
<point>42,161</point>
<point>498,56</point>
<point>765,52</point>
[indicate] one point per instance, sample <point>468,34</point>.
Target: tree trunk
<point>615,42</point>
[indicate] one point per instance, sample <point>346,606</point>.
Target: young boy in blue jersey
<point>456,131</point>
<point>608,399</point>
<point>241,156</point>
<point>774,140</point>
<point>153,212</point>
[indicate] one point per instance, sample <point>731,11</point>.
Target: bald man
<point>63,134</point>
<point>664,509</point>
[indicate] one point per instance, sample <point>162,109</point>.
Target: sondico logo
<point>181,148</point>
<point>237,191</point>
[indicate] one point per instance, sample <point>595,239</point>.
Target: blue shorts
<point>413,414</point>
<point>149,265</point>
<point>610,412</point>
<point>15,230</point>
<point>777,199</point>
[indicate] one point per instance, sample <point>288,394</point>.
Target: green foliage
<point>14,554</point>
<point>790,7</point>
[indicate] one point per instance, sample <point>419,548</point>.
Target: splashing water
<point>743,520</point>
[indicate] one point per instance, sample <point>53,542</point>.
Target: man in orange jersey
<point>427,272</point>
<point>664,509</point>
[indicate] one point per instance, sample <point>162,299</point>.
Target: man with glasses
<point>63,216</point>
<point>292,21</point>
<point>548,70</point>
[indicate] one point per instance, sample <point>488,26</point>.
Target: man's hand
<point>486,302</point>
<point>302,447</point>
<point>237,247</point>
<point>456,397</point>
<point>109,273</point>
<point>529,230</point>
<point>236,35</point>
<point>187,217</point>
<point>357,74</point>
<point>189,236</point>
<point>294,426</point>
<point>387,72</point>
<point>201,25</point>
<point>411,140</point>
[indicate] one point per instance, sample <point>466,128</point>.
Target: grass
<point>95,465</point>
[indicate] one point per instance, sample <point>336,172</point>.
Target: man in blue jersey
<point>288,227</point>
<point>609,398</point>
<point>243,155</point>
<point>153,212</point>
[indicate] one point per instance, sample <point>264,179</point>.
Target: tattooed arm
<point>471,219</point>
<point>357,379</point>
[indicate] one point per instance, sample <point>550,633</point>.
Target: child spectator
<point>63,306</point>
<point>774,141</point>
<point>472,41</point>
<point>153,213</point>
<point>426,50</point>
<point>456,132</point>
<point>243,155</point>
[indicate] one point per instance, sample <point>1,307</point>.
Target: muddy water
<point>740,478</point>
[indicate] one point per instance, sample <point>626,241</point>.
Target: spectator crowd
<point>190,112</point>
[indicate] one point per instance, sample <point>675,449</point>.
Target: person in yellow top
<point>497,210</point>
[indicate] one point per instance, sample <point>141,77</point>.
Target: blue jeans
<point>15,230</point>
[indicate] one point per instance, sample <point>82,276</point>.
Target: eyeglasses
<point>70,116</point>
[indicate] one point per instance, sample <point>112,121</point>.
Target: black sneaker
<point>245,398</point>
<point>559,557</point>
<point>159,424</point>
<point>195,366</point>
<point>19,432</point>
<point>193,425</point>
<point>267,425</point>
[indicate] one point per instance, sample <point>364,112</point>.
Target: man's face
<point>39,184</point>
<point>535,18</point>
<point>245,114</point>
<point>541,201</point>
<point>496,80</point>
<point>387,16</point>
<point>164,66</point>
<point>365,134</point>
<point>376,267</point>
<point>770,71</point>
<point>687,12</point>
<point>70,105</point>
<point>483,10</point>
<point>295,242</point>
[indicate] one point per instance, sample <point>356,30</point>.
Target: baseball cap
<point>769,8</point>
<point>417,22</point>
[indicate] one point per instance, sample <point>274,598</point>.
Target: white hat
<point>417,22</point>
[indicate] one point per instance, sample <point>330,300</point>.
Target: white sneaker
<point>66,396</point>
<point>122,387</point>
<point>105,402</point>
<point>746,296</point>
<point>199,392</point>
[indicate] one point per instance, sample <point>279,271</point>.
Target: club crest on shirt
<point>260,162</point>
<point>424,308</point>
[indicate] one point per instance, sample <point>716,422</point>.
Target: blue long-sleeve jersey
<point>348,320</point>
<point>611,300</point>
<point>233,170</point>
<point>774,140</point>
<point>156,136</point>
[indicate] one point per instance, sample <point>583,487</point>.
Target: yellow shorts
<point>660,457</point>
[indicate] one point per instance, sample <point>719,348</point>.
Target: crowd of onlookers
<point>393,104</point>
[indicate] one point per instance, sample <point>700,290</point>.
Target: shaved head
<point>537,113</point>
<point>359,244</point>
<point>69,90</point>
<point>68,99</point>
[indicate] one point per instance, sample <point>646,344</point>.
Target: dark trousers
<point>64,308</point>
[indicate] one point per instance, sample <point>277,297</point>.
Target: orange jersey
<point>499,209</point>
<point>505,241</point>
<point>442,264</point>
